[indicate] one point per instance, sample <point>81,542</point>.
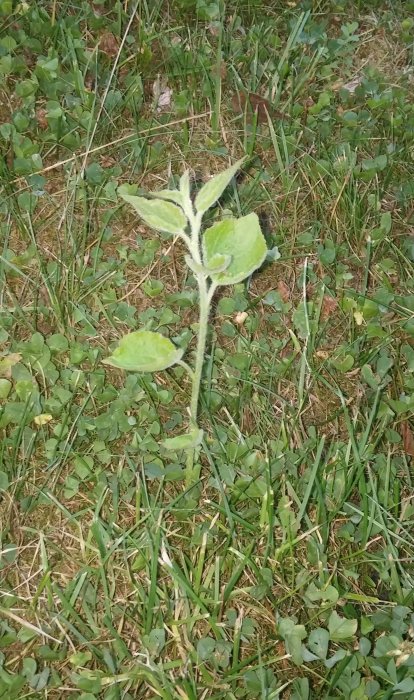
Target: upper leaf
<point>185,187</point>
<point>214,188</point>
<point>161,215</point>
<point>144,351</point>
<point>242,240</point>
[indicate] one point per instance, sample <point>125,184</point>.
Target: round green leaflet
<point>144,351</point>
<point>242,240</point>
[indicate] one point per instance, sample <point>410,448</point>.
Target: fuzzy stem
<point>201,345</point>
<point>193,244</point>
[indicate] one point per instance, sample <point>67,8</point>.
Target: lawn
<point>271,553</point>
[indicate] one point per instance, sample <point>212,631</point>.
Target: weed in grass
<point>226,253</point>
<point>286,569</point>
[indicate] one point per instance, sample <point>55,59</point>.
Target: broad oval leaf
<point>242,240</point>
<point>144,351</point>
<point>171,195</point>
<point>214,188</point>
<point>184,442</point>
<point>159,214</point>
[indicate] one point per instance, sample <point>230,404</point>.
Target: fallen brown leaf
<point>284,291</point>
<point>107,161</point>
<point>108,44</point>
<point>255,103</point>
<point>407,438</point>
<point>41,117</point>
<point>329,304</point>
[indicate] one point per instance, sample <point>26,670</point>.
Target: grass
<point>286,569</point>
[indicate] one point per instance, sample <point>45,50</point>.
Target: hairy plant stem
<point>193,243</point>
<point>204,310</point>
<point>205,294</point>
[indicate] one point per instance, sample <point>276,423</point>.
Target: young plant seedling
<point>226,253</point>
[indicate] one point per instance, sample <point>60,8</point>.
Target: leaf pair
<point>163,215</point>
<point>232,249</point>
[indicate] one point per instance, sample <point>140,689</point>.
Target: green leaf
<point>405,686</point>
<point>29,667</point>
<point>88,683</point>
<point>242,240</point>
<point>58,343</point>
<point>222,653</point>
<point>408,353</point>
<point>40,680</point>
<point>340,628</point>
<point>184,442</point>
<point>369,377</point>
<point>328,593</point>
<point>83,466</point>
<point>80,658</point>
<point>335,658</point>
<point>303,319</point>
<point>300,689</point>
<point>343,363</point>
<point>205,648</point>
<point>273,254</point>
<point>144,351</point>
<point>95,174</point>
<point>378,163</point>
<point>155,641</point>
<point>5,388</point>
<point>386,222</point>
<point>257,682</point>
<point>318,642</point>
<point>386,646</point>
<point>6,7</point>
<point>214,188</point>
<point>293,636</point>
<point>161,215</point>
